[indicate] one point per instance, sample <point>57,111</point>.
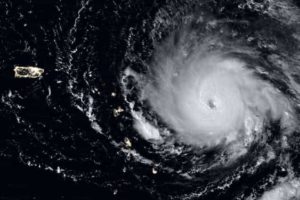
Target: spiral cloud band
<point>210,98</point>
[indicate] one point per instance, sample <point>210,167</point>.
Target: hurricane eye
<point>212,104</point>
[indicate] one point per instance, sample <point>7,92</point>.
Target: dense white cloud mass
<point>285,191</point>
<point>210,97</point>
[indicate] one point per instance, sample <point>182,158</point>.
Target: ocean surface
<point>108,120</point>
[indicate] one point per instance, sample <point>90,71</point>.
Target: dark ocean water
<point>60,137</point>
<point>45,124</point>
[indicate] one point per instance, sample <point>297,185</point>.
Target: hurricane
<point>222,88</point>
<point>208,95</point>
